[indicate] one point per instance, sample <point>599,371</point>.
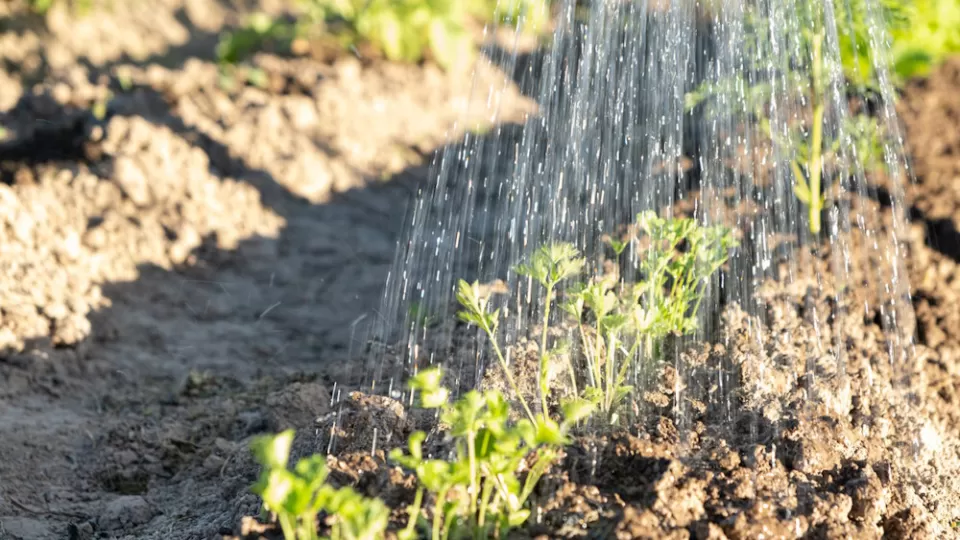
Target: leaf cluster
<point>622,323</point>
<point>404,30</point>
<point>41,7</point>
<point>618,321</point>
<point>930,33</point>
<point>259,32</point>
<point>480,492</point>
<point>806,81</point>
<point>296,496</point>
<point>400,30</point>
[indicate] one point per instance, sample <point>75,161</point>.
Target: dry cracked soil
<point>187,263</point>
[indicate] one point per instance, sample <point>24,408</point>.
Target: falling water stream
<point>686,108</point>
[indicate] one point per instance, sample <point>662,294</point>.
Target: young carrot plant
<point>622,325</point>
<point>549,266</point>
<point>403,30</point>
<point>297,496</point>
<point>814,153</point>
<point>807,186</point>
<point>476,312</point>
<point>480,492</point>
<point>619,323</point>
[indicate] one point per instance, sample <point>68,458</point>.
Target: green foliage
<point>931,33</point>
<point>549,266</point>
<point>552,264</point>
<point>259,31</point>
<point>618,324</point>
<point>41,7</point>
<point>404,30</point>
<point>854,19</point>
<point>808,83</point>
<point>297,496</point>
<point>535,14</point>
<point>479,493</point>
<point>400,30</point>
<point>475,311</point>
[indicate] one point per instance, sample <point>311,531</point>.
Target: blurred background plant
<point>41,7</point>
<point>398,30</point>
<point>923,32</point>
<point>930,34</point>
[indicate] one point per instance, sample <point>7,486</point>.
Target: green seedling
<point>400,30</point>
<point>928,33</point>
<point>99,108</point>
<point>259,31</point>
<point>297,496</point>
<point>620,324</point>
<point>476,312</point>
<point>549,266</point>
<point>480,492</point>
<point>403,30</point>
<point>807,185</point>
<point>808,141</point>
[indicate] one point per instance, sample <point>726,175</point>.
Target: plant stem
<point>816,135</point>
<point>544,460</point>
<point>573,375</point>
<point>472,457</point>
<point>438,512</point>
<point>598,340</point>
<point>506,370</point>
<point>289,531</point>
<point>611,360</point>
<point>485,502</point>
<point>413,512</point>
<point>588,351</point>
<point>544,354</point>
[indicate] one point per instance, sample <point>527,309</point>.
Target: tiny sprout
<point>475,307</point>
<point>617,245</point>
<point>475,313</point>
<point>490,453</point>
<point>577,410</point>
<point>432,394</point>
<point>273,451</point>
<point>297,496</point>
<point>552,264</point>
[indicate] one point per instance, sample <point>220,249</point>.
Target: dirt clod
<point>125,512</point>
<point>296,406</point>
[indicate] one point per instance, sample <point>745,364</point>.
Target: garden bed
<point>186,266</point>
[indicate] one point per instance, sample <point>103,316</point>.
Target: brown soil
<point>192,268</point>
<point>172,267</point>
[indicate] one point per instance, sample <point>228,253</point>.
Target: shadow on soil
<point>280,305</point>
<point>287,332</point>
<point>274,325</point>
<point>941,234</point>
